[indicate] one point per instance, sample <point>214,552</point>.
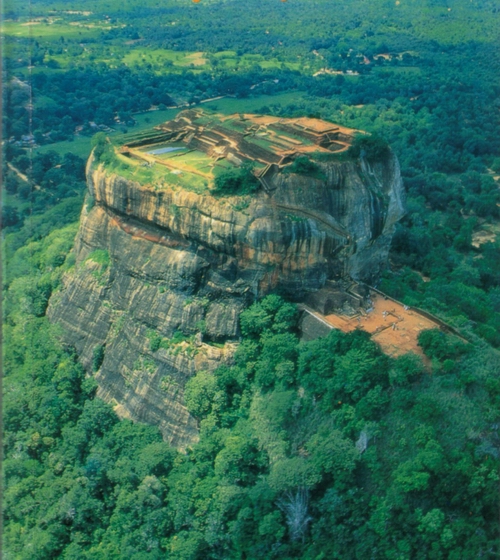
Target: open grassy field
<point>163,58</point>
<point>167,61</point>
<point>51,29</point>
<point>198,161</point>
<point>80,146</point>
<point>159,175</point>
<point>231,60</point>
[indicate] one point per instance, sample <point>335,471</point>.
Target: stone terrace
<point>239,138</point>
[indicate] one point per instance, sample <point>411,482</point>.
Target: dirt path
<point>22,176</point>
<point>25,178</point>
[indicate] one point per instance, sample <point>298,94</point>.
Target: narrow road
<point>22,176</point>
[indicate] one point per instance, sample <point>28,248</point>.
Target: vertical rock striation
<point>162,275</point>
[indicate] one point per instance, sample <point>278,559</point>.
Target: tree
<point>302,165</point>
<point>98,143</point>
<point>437,344</point>
<point>97,357</point>
<point>295,507</point>
<point>199,394</point>
<point>10,216</point>
<point>236,181</point>
<point>372,147</point>
<point>254,320</point>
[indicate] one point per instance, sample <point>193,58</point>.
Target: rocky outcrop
<point>162,274</point>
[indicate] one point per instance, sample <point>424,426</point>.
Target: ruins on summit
<point>309,219</point>
<point>197,143</point>
<point>201,143</point>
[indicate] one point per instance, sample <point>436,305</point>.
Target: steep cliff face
<point>162,275</point>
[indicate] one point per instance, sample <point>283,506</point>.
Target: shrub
<point>371,147</point>
<point>97,357</point>
<point>103,150</point>
<point>304,166</point>
<point>236,181</point>
<point>496,165</point>
<point>436,344</point>
<point>154,341</point>
<point>101,257</point>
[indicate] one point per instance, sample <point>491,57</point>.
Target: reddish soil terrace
<point>392,326</point>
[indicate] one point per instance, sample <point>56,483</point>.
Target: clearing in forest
<point>392,325</point>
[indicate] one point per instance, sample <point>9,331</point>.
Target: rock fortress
<point>187,224</point>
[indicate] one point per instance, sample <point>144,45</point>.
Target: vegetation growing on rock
<point>236,181</point>
<point>320,450</point>
<point>302,165</point>
<point>372,147</point>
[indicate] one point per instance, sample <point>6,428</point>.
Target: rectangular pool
<point>163,151</point>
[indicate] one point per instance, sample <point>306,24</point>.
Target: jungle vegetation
<point>326,449</point>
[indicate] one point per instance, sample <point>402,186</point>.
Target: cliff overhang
<point>181,262</point>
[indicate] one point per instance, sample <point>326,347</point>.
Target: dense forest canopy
<point>325,449</point>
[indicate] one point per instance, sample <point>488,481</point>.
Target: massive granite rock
<point>162,274</point>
